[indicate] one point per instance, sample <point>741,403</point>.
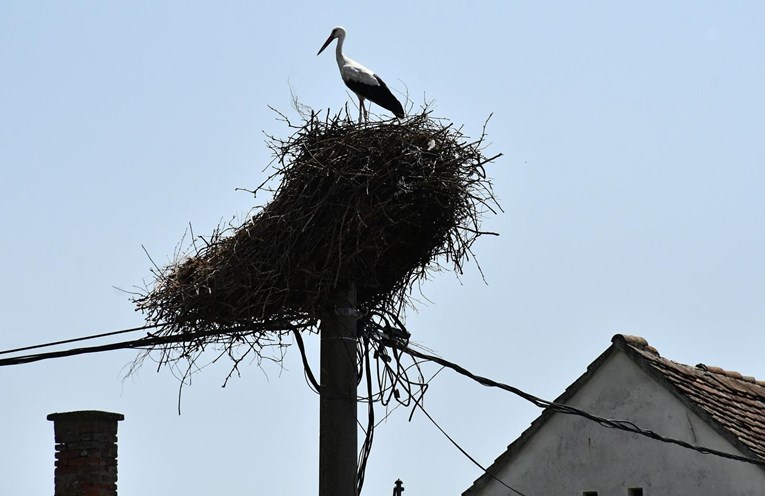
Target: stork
<point>362,81</point>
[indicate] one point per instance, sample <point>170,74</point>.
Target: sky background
<point>632,184</point>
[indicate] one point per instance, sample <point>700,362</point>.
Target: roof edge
<point>541,420</point>
<point>632,346</point>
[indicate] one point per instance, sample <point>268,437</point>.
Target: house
<point>706,406</point>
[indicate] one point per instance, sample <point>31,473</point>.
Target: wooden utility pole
<point>337,403</point>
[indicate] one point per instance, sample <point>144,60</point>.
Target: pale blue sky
<point>632,182</point>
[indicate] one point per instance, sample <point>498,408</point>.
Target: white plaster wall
<point>570,455</point>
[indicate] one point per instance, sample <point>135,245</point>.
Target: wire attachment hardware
<point>350,312</point>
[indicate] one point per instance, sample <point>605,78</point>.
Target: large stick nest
<point>378,205</point>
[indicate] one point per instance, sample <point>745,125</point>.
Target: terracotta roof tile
<point>735,402</point>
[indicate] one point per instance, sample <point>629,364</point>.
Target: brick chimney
<point>86,453</point>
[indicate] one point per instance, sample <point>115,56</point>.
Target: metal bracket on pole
<point>350,312</point>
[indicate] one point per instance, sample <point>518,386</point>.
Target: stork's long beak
<point>326,43</point>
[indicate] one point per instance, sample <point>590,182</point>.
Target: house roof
<point>731,403</point>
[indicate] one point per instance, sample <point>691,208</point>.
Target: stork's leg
<point>361,109</point>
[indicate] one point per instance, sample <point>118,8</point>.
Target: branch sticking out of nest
<point>379,205</point>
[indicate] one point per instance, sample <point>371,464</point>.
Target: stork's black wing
<point>379,95</point>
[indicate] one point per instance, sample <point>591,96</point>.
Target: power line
<point>623,425</point>
<point>134,344</point>
<point>147,341</point>
<point>152,340</point>
<point>144,342</point>
<point>74,340</point>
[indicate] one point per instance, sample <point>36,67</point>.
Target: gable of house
<point>563,454</point>
<point>731,403</point>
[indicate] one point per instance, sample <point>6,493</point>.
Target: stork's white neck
<point>341,59</point>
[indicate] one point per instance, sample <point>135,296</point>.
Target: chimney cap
<point>86,415</point>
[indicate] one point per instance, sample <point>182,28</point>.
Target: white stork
<point>365,83</point>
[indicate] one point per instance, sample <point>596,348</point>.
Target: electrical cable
<point>153,340</point>
<point>366,447</point>
<point>147,341</point>
<point>306,366</point>
<point>475,462</point>
<point>623,425</point>
<point>84,338</point>
<point>138,343</point>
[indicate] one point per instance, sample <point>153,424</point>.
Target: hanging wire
<point>462,450</point>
